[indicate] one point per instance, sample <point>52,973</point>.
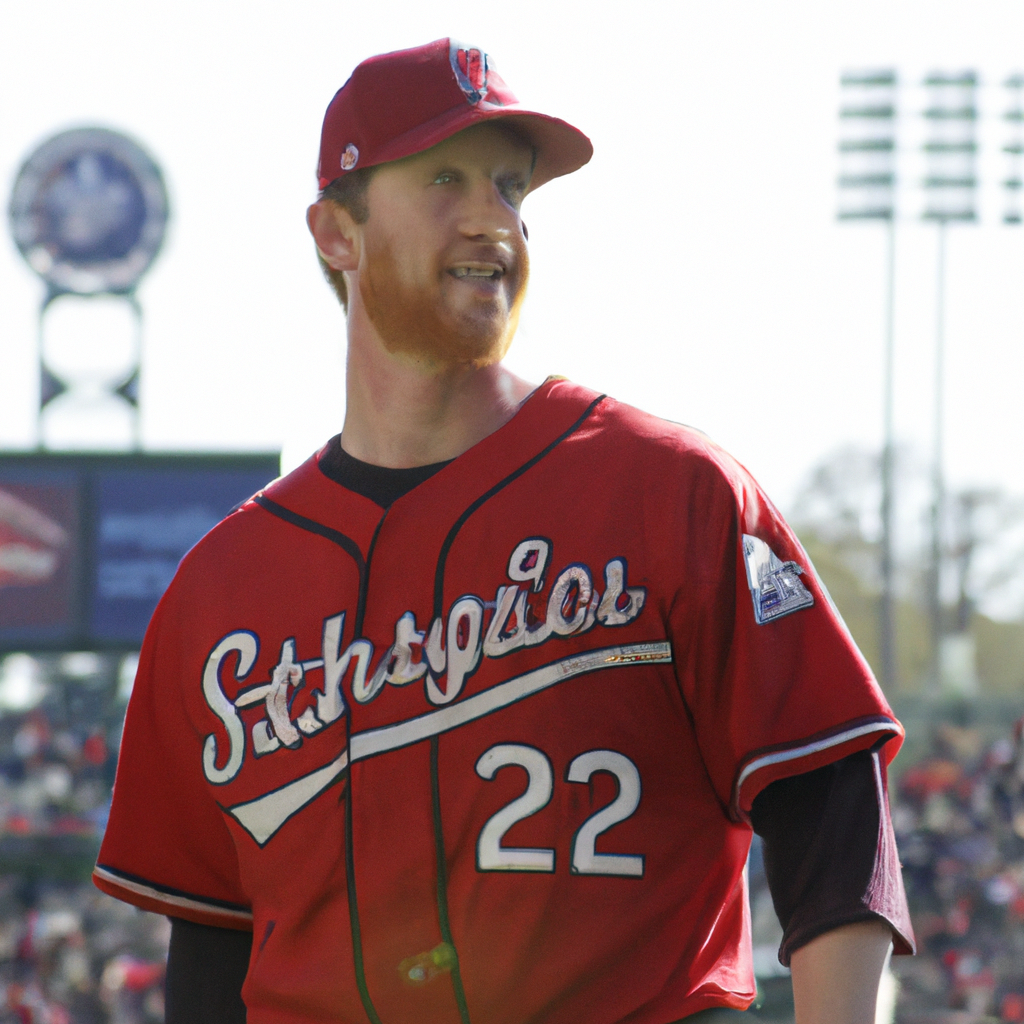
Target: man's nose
<point>487,215</point>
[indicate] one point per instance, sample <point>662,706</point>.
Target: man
<point>467,718</point>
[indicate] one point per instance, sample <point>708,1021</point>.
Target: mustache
<point>508,257</point>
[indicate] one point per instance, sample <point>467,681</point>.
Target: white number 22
<point>492,856</point>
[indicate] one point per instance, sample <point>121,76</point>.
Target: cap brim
<point>561,148</point>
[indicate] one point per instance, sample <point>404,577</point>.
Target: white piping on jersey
<point>170,899</point>
<point>262,817</point>
<point>883,725</point>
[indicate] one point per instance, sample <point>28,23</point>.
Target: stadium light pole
<point>867,192</point>
<point>1014,149</point>
<point>950,186</point>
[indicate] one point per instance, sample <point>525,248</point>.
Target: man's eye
<point>513,190</point>
<point>444,178</point>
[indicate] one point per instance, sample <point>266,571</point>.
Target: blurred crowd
<point>959,819</point>
<point>68,953</point>
<point>53,781</point>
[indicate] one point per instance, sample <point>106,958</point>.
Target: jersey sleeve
<point>167,848</point>
<point>774,681</point>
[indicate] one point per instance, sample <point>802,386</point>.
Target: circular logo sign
<point>88,211</point>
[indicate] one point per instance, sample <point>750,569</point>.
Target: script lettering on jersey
<point>443,655</point>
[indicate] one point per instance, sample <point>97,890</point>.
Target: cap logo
<point>349,157</point>
<point>469,65</point>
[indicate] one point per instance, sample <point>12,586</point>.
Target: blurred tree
<point>986,551</point>
<point>836,515</point>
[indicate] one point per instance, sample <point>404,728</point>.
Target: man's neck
<point>402,414</point>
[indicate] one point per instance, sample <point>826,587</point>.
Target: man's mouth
<point>487,271</point>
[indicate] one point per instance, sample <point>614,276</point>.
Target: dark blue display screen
<point>88,543</point>
<point>145,523</point>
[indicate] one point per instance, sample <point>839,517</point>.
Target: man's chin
<point>441,349</point>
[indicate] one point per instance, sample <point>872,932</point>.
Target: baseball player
<point>469,718</point>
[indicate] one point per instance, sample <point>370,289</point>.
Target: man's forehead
<point>489,140</point>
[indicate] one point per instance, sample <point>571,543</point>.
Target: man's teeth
<point>475,272</point>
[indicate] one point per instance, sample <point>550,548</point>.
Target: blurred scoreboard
<point>88,543</point>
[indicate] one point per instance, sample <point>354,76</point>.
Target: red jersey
<point>486,755</point>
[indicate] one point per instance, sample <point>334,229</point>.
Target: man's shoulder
<point>646,439</point>
<point>272,516</point>
<point>247,514</point>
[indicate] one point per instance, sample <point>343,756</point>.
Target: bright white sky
<point>694,268</point>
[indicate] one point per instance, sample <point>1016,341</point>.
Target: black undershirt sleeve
<point>830,853</point>
<point>205,970</point>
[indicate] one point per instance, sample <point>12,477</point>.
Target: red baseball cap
<point>401,103</point>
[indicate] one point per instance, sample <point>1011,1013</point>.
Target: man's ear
<point>336,235</point>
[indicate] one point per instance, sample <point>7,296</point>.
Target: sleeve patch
<point>774,585</point>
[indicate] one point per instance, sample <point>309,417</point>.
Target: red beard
<point>414,319</point>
